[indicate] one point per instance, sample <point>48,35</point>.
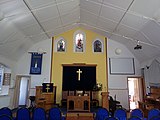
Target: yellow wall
<point>87,57</point>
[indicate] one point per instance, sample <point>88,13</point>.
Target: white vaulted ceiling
<point>26,22</point>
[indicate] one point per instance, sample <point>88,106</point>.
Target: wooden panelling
<point>45,100</point>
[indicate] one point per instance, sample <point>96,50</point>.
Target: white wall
<point>10,66</point>
<point>117,84</point>
<point>23,65</point>
<point>150,75</point>
<point>4,101</point>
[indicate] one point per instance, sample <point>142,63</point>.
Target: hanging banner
<point>36,63</point>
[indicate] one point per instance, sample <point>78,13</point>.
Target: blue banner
<point>36,63</point>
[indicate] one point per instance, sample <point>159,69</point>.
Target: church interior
<point>86,59</point>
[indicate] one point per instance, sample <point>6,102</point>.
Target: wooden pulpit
<point>45,99</point>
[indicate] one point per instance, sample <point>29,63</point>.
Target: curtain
<point>138,89</point>
<point>152,74</point>
<point>74,81</point>
<point>16,92</point>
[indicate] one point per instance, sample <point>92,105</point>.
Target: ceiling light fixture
<point>118,51</point>
<point>138,46</point>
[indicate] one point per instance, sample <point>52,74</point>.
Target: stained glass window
<point>97,46</point>
<point>79,40</point>
<point>61,46</point>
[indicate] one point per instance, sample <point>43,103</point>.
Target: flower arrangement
<point>97,87</point>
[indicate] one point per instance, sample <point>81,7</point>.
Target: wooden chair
<point>23,114</point>
<point>5,117</point>
<point>64,98</point>
<point>120,114</point>
<point>153,112</point>
<point>88,93</point>
<point>55,114</point>
<point>79,93</point>
<point>102,114</point>
<point>94,99</point>
<point>71,93</point>
<point>137,112</point>
<point>39,114</point>
<point>6,111</point>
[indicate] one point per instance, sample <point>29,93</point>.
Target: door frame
<point>143,87</point>
<point>17,90</point>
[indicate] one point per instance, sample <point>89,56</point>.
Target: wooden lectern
<point>105,103</point>
<point>45,100</point>
<point>78,103</point>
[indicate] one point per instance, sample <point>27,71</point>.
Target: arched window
<point>61,46</point>
<point>97,46</point>
<point>79,41</point>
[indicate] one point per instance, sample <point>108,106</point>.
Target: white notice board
<point>121,66</point>
<point>5,90</point>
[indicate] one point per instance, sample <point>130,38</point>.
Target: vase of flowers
<point>97,87</point>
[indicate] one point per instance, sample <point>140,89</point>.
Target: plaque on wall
<point>6,78</point>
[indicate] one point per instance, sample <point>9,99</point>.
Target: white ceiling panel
<point>23,21</point>
<point>151,30</point>
<point>120,20</point>
<point>101,32</point>
<point>106,24</point>
<point>118,3</point>
<point>32,30</point>
<point>39,3</point>
<point>72,17</point>
<point>126,31</point>
<point>88,27</point>
<point>70,27</point>
<point>61,1</point>
<point>88,18</point>
<point>98,1</point>
<point>39,37</point>
<point>45,13</point>
<point>90,6</point>
<point>145,7</point>
<point>149,50</point>
<point>7,31</point>
<point>137,53</point>
<point>142,37</point>
<point>68,6</point>
<point>55,32</point>
<point>134,21</point>
<point>111,13</point>
<point>13,8</point>
<point>119,39</point>
<point>51,24</point>
<point>11,46</point>
<point>16,37</point>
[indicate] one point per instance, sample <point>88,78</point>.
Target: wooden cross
<point>79,74</point>
<point>47,88</point>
